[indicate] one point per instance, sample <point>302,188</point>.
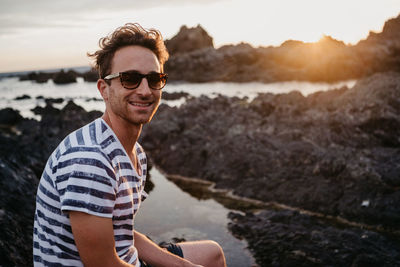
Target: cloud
<point>67,7</point>
<point>20,15</point>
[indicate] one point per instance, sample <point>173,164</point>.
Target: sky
<point>46,34</point>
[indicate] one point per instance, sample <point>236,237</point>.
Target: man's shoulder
<point>89,138</point>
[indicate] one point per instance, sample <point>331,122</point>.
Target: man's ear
<point>102,86</point>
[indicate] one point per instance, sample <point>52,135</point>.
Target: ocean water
<point>86,95</point>
<point>170,212</point>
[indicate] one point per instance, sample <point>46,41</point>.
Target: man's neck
<point>126,132</point>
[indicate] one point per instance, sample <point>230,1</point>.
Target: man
<point>92,185</point>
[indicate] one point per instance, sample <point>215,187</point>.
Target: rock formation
<point>334,154</point>
<point>194,59</point>
<point>327,60</point>
<point>188,40</point>
<point>63,77</point>
<point>328,153</point>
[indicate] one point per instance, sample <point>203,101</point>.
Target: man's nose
<point>143,88</point>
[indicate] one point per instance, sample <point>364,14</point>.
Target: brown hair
<point>129,34</point>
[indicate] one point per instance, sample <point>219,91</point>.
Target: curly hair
<point>129,34</point>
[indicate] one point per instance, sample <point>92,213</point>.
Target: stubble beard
<point>137,118</point>
<point>123,110</point>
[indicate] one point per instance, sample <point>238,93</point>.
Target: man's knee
<point>217,250</point>
<point>206,253</point>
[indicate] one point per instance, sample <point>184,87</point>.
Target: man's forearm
<point>156,256</point>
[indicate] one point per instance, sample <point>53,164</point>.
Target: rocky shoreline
<point>193,58</point>
<point>25,147</point>
<point>333,153</point>
<point>289,238</point>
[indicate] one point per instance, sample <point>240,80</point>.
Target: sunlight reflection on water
<point>170,213</point>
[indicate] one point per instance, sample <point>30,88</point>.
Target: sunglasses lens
<point>156,80</point>
<point>130,80</point>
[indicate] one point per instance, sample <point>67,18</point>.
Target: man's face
<point>135,106</point>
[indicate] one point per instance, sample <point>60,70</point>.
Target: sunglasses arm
<point>112,76</point>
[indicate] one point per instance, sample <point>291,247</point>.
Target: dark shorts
<point>173,248</point>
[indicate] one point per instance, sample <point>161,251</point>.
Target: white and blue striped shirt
<point>90,172</point>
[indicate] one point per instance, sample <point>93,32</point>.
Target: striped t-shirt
<point>90,172</point>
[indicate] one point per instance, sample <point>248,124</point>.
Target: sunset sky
<point>58,33</point>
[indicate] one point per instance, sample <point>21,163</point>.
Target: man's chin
<point>138,121</point>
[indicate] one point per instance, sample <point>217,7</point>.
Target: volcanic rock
<point>39,77</point>
<point>21,164</point>
<point>327,153</point>
<point>63,77</point>
<point>22,97</point>
<point>327,60</point>
<point>189,39</point>
<point>9,116</point>
<point>90,76</point>
<point>289,238</point>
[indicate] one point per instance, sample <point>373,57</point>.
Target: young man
<point>92,186</point>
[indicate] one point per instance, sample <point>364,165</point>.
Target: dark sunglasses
<point>131,79</point>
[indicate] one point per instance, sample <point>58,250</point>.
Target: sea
<point>86,94</point>
<point>187,217</point>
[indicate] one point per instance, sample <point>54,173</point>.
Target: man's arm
<point>156,256</point>
<point>94,238</point>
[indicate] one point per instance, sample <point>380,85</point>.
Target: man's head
<point>127,35</point>
<point>130,62</point>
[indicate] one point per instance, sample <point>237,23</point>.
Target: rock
<point>289,238</point>
<point>9,116</point>
<point>21,163</point>
<point>326,152</point>
<point>23,97</point>
<point>65,77</point>
<point>327,60</point>
<point>189,39</point>
<point>39,77</point>
<point>90,76</point>
<point>54,100</point>
<point>174,96</point>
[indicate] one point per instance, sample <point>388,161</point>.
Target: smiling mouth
<point>136,104</point>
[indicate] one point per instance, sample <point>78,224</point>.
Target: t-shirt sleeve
<point>86,182</point>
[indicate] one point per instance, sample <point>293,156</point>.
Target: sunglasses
<point>131,79</point>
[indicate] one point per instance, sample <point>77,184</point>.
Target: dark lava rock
<point>63,77</point>
<point>22,97</point>
<point>334,152</point>
<point>174,95</point>
<point>39,77</point>
<point>90,76</point>
<point>54,100</point>
<point>9,116</point>
<point>288,238</point>
<point>22,160</point>
<point>189,39</point>
<point>326,60</point>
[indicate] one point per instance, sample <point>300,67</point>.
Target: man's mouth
<point>138,104</point>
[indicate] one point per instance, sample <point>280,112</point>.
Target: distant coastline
<point>80,69</point>
<point>193,58</point>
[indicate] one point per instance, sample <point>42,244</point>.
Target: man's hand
<point>94,238</point>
